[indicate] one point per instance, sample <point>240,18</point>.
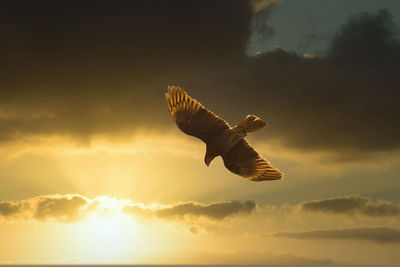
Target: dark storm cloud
<point>261,31</point>
<point>367,39</point>
<point>214,211</point>
<point>381,235</point>
<point>351,205</point>
<point>65,208</point>
<point>103,68</point>
<point>347,101</point>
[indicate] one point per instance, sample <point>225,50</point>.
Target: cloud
<point>93,77</point>
<point>259,5</point>
<point>8,208</point>
<point>213,211</point>
<point>73,208</point>
<point>367,39</point>
<point>331,103</point>
<point>352,205</point>
<point>261,31</point>
<point>64,208</point>
<point>102,66</point>
<point>381,235</point>
<point>344,102</point>
<point>138,210</point>
<point>216,211</point>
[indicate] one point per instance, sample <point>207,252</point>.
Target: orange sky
<point>94,170</point>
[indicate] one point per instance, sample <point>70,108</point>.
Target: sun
<point>108,236</point>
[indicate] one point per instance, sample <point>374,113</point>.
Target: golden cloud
<point>213,211</point>
<point>74,207</point>
<point>353,205</point>
<point>64,208</point>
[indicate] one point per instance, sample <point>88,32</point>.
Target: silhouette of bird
<point>221,140</point>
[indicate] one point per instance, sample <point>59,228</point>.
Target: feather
<point>242,159</point>
<point>192,117</point>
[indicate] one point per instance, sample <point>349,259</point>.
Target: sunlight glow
<point>107,234</point>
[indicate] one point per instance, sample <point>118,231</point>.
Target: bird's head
<point>208,159</point>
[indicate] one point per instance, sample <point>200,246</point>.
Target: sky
<point>94,170</point>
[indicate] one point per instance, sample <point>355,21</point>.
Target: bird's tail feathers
<point>252,123</point>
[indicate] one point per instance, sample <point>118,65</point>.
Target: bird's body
<point>221,139</point>
<point>222,142</point>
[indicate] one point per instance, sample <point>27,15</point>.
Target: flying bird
<point>221,139</point>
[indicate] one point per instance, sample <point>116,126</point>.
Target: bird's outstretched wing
<point>242,159</point>
<point>191,116</point>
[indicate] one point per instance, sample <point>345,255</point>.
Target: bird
<point>220,138</point>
